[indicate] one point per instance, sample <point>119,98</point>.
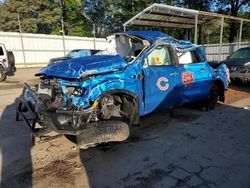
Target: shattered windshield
<point>78,53</point>
<point>128,48</point>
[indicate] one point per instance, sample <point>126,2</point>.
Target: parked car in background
<point>76,53</point>
<point>7,63</point>
<point>239,65</point>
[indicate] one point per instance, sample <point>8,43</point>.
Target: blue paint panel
<point>84,66</point>
<point>160,84</point>
<point>199,88</point>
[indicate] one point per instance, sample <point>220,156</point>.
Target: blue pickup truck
<point>140,72</point>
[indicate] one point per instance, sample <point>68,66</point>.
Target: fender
<point>96,94</point>
<point>118,91</point>
<point>114,83</point>
<point>107,85</point>
<point>222,73</point>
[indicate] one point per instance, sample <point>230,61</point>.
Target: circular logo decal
<point>162,83</point>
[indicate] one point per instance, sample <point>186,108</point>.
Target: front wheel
<point>213,97</point>
<point>119,107</point>
<point>102,132</point>
<point>2,75</point>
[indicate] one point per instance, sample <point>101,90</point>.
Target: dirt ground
<point>192,149</point>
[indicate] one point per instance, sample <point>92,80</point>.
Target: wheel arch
<point>118,91</point>
<point>126,93</point>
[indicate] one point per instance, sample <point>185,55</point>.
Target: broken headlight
<point>76,91</point>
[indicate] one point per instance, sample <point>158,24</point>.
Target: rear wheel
<point>213,97</point>
<point>2,74</point>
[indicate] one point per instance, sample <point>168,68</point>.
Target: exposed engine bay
<point>63,101</point>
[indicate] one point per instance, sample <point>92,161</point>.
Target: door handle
<point>174,73</point>
<point>203,70</point>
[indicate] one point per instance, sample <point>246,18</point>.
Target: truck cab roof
<point>151,36</point>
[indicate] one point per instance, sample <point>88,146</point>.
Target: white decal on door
<point>162,83</point>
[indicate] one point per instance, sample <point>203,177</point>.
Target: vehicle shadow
<point>242,86</point>
<point>193,148</point>
<point>15,150</point>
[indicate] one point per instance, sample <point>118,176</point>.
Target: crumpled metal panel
<point>222,73</point>
<point>80,67</point>
<point>151,36</point>
<point>94,87</point>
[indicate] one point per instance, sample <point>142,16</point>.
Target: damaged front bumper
<point>67,122</point>
<point>62,121</point>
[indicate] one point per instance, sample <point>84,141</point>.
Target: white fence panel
<point>39,48</point>
<point>212,50</point>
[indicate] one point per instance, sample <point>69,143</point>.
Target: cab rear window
<point>194,56</point>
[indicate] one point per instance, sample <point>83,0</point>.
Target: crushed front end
<point>66,100</point>
<point>62,105</point>
<point>58,105</point>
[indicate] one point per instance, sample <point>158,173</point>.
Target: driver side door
<point>162,79</point>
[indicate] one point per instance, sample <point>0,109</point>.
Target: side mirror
<point>228,56</point>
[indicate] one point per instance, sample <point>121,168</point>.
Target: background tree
<point>75,23</point>
<point>98,12</point>
<point>40,16</point>
<point>204,5</point>
<point>198,4</point>
<point>108,16</point>
<point>43,16</point>
<point>233,8</point>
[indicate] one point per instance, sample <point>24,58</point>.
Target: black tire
<point>11,58</point>
<point>2,75</point>
<point>213,97</point>
<point>103,132</point>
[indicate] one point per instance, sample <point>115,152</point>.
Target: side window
<point>194,56</point>
<point>185,58</point>
<point>161,55</point>
<point>1,51</point>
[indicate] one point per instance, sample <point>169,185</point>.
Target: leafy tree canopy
<point>81,17</point>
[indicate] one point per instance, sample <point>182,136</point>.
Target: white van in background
<point>7,63</point>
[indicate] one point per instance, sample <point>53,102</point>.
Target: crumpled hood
<point>80,67</point>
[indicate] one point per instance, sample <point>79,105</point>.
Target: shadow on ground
<point>193,149</point>
<point>15,151</point>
